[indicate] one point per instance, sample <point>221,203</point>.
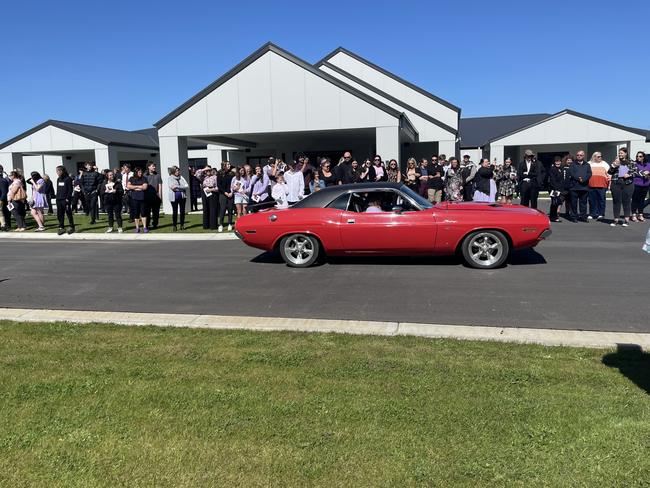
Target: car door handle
<point>351,221</point>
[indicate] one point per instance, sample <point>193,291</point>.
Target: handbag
<point>20,194</point>
<point>178,195</point>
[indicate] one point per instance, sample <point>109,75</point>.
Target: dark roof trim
<point>389,97</point>
<point>72,128</point>
<point>286,55</point>
<point>576,114</point>
<point>389,74</point>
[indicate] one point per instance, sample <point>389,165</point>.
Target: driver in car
<point>374,206</point>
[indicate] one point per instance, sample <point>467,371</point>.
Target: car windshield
<point>422,202</point>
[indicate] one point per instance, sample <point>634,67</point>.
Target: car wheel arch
<point>276,244</point>
<point>459,244</point>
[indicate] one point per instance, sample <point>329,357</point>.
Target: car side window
<point>340,202</point>
<point>380,201</point>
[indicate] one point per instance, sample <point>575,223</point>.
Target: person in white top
<point>280,191</point>
<point>126,174</point>
<point>296,183</point>
<point>374,207</point>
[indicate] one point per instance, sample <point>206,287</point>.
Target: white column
<point>497,152</point>
<point>636,146</point>
<point>387,142</point>
<point>214,156</point>
<point>173,152</point>
<point>106,158</point>
<point>448,148</point>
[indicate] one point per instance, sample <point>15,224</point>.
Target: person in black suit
<point>530,175</point>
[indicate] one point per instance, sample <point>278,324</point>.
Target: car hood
<point>488,207</point>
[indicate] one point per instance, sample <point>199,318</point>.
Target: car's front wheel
<point>299,250</point>
<point>485,249</point>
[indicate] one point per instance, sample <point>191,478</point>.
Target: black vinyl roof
<point>325,196</point>
<point>144,138</point>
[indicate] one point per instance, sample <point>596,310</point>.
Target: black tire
<point>485,249</point>
<point>299,250</point>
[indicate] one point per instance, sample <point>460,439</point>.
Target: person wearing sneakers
<point>38,203</point>
<point>623,172</point>
<point>112,193</point>
<point>598,184</point>
<point>138,186</point>
<point>16,198</point>
<point>641,185</point>
<point>64,195</point>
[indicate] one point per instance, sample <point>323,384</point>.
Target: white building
<point>276,104</point>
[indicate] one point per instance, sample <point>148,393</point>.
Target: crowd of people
<point>137,193</point>
<point>578,185</point>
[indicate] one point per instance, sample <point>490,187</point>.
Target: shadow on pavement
<point>526,257</point>
<point>517,258</point>
<point>632,362</point>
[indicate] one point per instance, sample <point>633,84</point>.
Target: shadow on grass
<point>632,362</point>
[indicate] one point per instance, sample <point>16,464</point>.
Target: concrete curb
<point>548,337</point>
<point>127,236</point>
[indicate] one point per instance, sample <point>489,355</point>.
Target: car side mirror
<point>397,210</point>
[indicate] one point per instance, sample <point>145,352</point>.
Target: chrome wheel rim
<point>485,249</point>
<point>299,249</point>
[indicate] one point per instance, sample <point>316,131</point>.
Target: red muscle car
<point>389,219</point>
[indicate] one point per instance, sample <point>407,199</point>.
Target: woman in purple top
<point>38,202</point>
<point>259,186</point>
<point>641,185</point>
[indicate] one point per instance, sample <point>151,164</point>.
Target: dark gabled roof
<point>388,96</point>
<point>144,138</point>
<point>477,131</point>
<point>288,56</point>
<point>389,74</point>
<point>566,111</point>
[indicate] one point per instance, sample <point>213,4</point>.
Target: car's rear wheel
<point>299,250</point>
<point>485,249</point>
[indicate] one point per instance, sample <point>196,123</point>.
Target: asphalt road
<point>587,276</point>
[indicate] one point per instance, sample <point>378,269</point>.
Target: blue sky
<point>125,64</point>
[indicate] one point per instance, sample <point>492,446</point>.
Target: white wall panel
<point>396,89</point>
<point>274,94</point>
<point>427,130</point>
<point>254,83</point>
<point>565,129</point>
<point>223,109</point>
<point>32,163</point>
<point>50,139</point>
<point>287,95</point>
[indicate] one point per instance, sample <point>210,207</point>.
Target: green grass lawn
<point>193,224</point>
<point>117,406</point>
